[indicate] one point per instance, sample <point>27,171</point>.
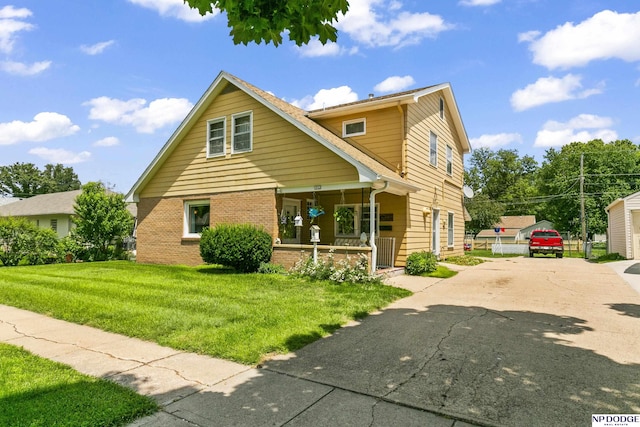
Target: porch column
<point>372,226</point>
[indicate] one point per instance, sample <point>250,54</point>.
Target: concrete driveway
<point>512,342</point>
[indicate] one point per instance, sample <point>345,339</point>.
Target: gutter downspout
<point>372,226</point>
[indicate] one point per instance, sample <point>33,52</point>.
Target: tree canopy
<point>507,184</point>
<point>26,180</point>
<point>266,20</point>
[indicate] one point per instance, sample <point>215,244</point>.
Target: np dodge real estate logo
<point>617,420</point>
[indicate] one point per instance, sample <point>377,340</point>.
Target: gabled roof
<point>369,169</point>
<point>7,200</point>
<point>407,97</point>
<point>61,203</point>
<point>622,200</point>
<point>42,204</point>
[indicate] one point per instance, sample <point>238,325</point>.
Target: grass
<point>467,260</point>
<point>38,392</point>
<point>441,272</point>
<point>486,253</point>
<point>207,310</point>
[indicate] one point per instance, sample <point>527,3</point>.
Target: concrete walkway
<point>433,359</point>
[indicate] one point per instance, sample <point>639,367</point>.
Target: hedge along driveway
<point>208,310</point>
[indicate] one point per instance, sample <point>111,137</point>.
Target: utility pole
<point>583,219</point>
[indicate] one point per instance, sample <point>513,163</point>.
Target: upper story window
<point>242,132</point>
<point>216,131</point>
<point>449,160</point>
<point>354,127</point>
<point>196,217</point>
<point>433,149</point>
<point>442,108</point>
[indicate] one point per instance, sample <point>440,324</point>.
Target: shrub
<point>336,272</point>
<point>241,246</point>
<point>421,262</point>
<point>16,237</point>
<point>44,247</point>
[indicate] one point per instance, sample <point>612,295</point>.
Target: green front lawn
<point>38,392</point>
<point>207,310</point>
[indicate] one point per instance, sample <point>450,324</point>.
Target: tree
<point>611,170</point>
<point>26,180</point>
<point>266,20</point>
<point>58,178</point>
<point>505,180</point>
<point>101,218</point>
<point>485,213</point>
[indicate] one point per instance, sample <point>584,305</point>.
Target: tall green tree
<point>101,218</point>
<point>611,170</point>
<point>26,180</point>
<point>504,178</point>
<point>266,20</point>
<point>484,212</point>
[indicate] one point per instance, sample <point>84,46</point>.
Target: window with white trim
<point>354,127</point>
<point>449,160</point>
<point>433,148</point>
<point>352,219</point>
<point>441,109</point>
<point>216,131</point>
<point>196,217</point>
<point>450,230</point>
<point>242,132</point>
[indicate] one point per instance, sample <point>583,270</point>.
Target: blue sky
<point>102,89</point>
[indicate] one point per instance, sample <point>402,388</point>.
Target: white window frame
<point>360,211</point>
<point>441,113</point>
<point>433,149</point>
<point>234,117</point>
<point>345,134</point>
<point>188,204</point>
<point>450,229</point>
<point>449,160</point>
<point>222,120</point>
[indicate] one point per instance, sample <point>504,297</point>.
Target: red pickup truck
<point>546,242</point>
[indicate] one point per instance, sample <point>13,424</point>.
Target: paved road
<point>513,342</point>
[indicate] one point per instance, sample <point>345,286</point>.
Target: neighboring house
<point>540,225</point>
<point>512,229</point>
<point>53,210</point>
<point>243,155</point>
<point>623,230</point>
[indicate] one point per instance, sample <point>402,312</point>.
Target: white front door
<point>289,233</point>
<point>435,232</point>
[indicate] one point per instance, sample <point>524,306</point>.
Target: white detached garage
<point>623,228</point>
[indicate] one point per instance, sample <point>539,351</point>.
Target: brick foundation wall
<point>288,255</point>
<point>161,220</point>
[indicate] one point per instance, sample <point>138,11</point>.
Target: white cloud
<point>377,23</point>
<point>495,140</point>
<point>97,48</point>
<point>316,49</point>
<point>175,9</point>
<point>11,24</point>
<point>551,89</point>
<point>394,84</point>
<point>479,2</point>
<point>134,112</point>
<point>22,69</point>
<point>109,141</point>
<point>327,98</point>
<point>529,36</point>
<point>59,155</point>
<point>582,128</point>
<point>605,35</point>
<point>45,126</point>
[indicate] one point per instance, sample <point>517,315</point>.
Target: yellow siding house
<point>243,155</point>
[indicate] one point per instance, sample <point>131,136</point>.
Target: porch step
<point>390,272</point>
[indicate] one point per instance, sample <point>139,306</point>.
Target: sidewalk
<point>196,390</point>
